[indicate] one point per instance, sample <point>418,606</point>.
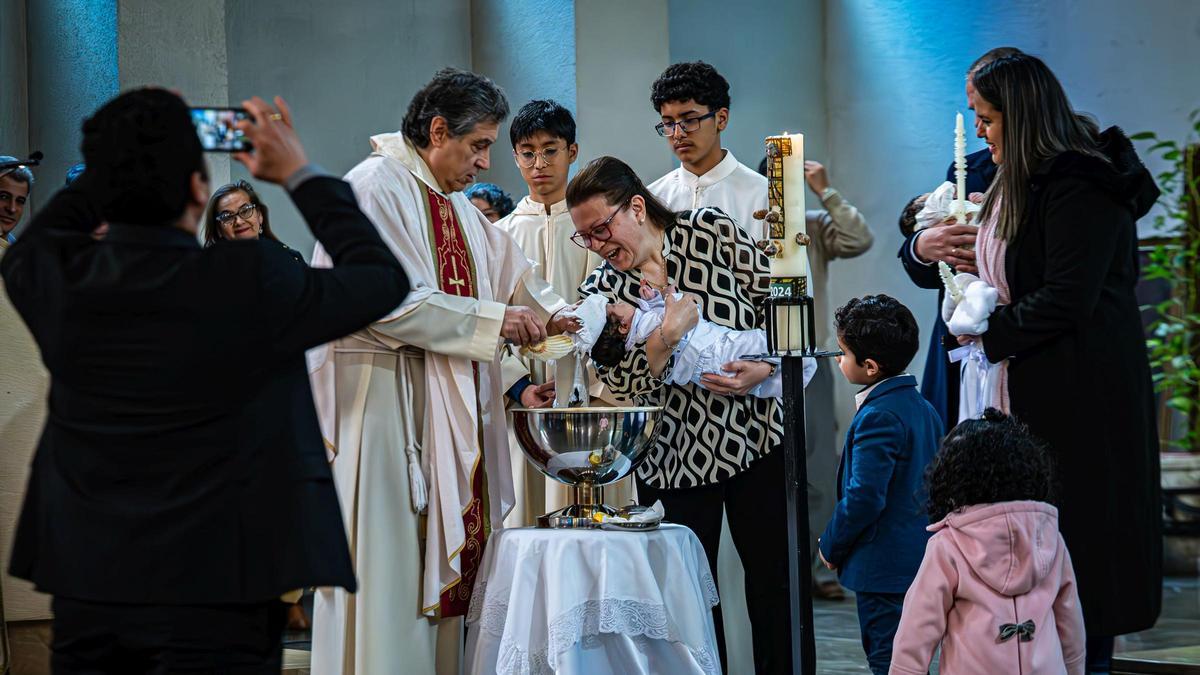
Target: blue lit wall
<point>348,69</point>
<point>528,48</point>
<point>72,70</point>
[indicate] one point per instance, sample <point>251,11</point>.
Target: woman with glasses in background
<point>235,212</point>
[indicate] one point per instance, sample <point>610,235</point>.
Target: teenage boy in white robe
<point>693,102</point>
<point>542,134</point>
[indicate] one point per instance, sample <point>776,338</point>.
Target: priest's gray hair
<point>463,98</point>
<point>20,174</point>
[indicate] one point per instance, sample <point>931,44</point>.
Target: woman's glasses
<point>599,233</point>
<point>247,210</point>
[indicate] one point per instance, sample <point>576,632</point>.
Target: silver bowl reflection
<point>585,448</point>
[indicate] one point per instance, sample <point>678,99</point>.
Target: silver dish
<point>585,448</point>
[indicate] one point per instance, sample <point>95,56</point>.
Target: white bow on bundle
<point>968,303</point>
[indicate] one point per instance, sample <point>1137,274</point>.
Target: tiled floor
<point>839,651</point>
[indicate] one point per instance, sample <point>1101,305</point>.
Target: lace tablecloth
<point>595,602</point>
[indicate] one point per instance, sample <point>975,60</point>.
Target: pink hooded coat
<point>988,571</point>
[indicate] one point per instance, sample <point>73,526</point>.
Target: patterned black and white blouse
<point>706,437</point>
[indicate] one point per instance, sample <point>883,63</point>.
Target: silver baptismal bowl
<point>585,448</point>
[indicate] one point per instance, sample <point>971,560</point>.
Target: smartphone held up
<point>218,131</point>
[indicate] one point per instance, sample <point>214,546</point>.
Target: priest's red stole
<point>456,276</point>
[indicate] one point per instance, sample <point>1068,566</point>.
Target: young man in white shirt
<point>693,101</point>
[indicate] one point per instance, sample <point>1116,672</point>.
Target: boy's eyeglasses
<point>528,159</point>
<point>689,125</point>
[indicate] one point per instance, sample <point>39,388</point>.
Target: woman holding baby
<point>1058,242</point>
<point>718,450</point>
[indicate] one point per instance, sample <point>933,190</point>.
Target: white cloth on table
<point>588,601</point>
<point>708,347</point>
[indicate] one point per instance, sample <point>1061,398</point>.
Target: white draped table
<point>593,601</point>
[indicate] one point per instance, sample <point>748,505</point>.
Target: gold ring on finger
<point>275,117</point>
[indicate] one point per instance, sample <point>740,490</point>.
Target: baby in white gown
<point>704,349</point>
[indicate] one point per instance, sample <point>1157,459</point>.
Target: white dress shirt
<point>731,186</point>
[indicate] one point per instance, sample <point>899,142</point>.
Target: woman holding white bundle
<point>1058,244</point>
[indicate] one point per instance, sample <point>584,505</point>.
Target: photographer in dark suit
<point>180,485</point>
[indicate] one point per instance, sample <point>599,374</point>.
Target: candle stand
<point>791,336</point>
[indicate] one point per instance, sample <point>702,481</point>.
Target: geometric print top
<point>706,438</point>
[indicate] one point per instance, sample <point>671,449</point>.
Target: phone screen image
<point>217,129</point>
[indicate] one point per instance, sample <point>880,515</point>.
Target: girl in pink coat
<point>995,588</point>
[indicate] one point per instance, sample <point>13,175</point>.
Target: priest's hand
<point>522,326</point>
<point>538,395</point>
<point>948,243</point>
<point>746,376</point>
<point>277,152</point>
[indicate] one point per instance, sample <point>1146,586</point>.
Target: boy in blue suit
<point>877,535</point>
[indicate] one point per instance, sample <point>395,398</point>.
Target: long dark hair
<point>618,183</point>
<point>212,229</point>
<point>1039,124</point>
<point>989,460</point>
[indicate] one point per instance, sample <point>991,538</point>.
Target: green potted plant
<point>1173,338</point>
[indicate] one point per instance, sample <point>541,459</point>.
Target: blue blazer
<point>877,535</point>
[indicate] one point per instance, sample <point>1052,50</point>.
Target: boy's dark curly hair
<point>610,346</point>
<point>879,327</point>
<point>696,81</point>
<point>989,460</point>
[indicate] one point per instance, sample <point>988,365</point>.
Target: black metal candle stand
<point>787,300</point>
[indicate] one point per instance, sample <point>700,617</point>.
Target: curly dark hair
<point>989,460</point>
<point>908,217</point>
<point>463,98</point>
<point>610,346</point>
<point>696,81</point>
<point>879,327</point>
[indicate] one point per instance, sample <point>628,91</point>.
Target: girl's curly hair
<point>989,460</point>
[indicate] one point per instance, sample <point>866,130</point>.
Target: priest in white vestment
<point>412,406</point>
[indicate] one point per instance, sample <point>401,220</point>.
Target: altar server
<point>544,148</point>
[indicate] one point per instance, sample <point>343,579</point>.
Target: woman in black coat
<point>1066,200</point>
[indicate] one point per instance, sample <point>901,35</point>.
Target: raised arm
<point>841,228</point>
<point>312,306</point>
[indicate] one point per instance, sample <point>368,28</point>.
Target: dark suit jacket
<point>939,383</point>
<point>877,534</point>
<point>1078,373</point>
<point>181,460</point>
